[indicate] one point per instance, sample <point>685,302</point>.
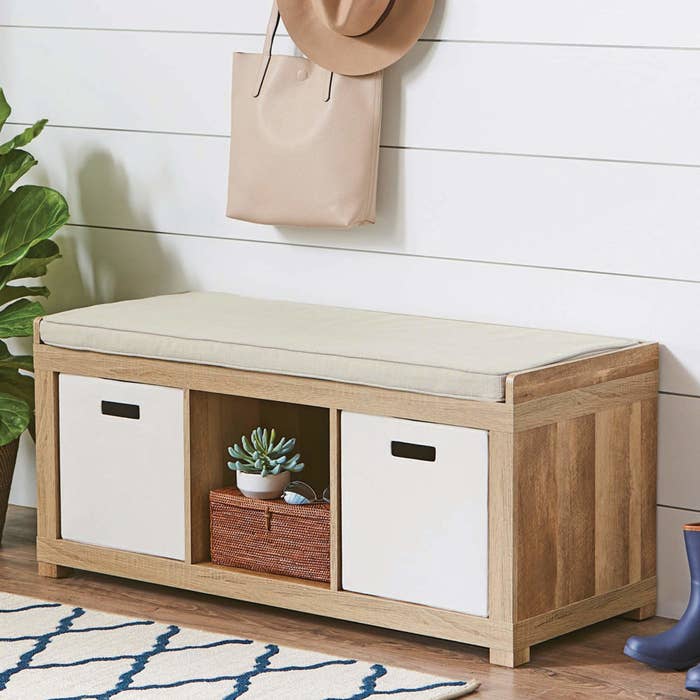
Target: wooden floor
<point>583,665</point>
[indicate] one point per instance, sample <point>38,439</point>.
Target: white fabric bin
<point>414,512</point>
<point>122,465</point>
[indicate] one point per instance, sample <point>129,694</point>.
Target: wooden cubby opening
<point>219,420</point>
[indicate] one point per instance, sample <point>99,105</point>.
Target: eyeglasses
<point>299,493</point>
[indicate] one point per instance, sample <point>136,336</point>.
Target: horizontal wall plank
<point>126,80</point>
<point>617,22</point>
<point>673,576</point>
<point>103,265</point>
<point>628,104</point>
<point>679,443</point>
<point>610,217</point>
<point>621,22</point>
<point>154,15</point>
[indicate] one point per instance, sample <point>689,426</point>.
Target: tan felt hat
<point>355,37</point>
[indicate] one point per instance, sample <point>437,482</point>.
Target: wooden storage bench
<point>489,485</point>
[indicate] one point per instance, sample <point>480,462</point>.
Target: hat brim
<point>359,55</point>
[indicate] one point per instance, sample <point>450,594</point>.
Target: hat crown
<point>353,17</point>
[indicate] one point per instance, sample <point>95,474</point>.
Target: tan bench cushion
<point>413,353</point>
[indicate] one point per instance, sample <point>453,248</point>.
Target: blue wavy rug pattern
<point>58,652</point>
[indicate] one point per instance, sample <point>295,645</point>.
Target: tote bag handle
<point>266,57</point>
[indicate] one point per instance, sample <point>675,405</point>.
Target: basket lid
<point>233,497</point>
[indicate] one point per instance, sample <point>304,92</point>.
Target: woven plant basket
<point>8,457</point>
<point>270,536</point>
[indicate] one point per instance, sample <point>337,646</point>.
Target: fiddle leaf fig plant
<point>29,216</point>
<point>260,455</point>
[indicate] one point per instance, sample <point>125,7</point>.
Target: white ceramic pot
<point>265,487</point>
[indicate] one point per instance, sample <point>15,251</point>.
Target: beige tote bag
<point>304,142</point>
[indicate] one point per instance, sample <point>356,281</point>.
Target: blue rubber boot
<point>678,648</point>
<point>692,680</point>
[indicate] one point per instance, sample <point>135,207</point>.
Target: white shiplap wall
<point>540,166</point>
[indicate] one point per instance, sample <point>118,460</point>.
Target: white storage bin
<point>122,465</point>
<point>414,512</point>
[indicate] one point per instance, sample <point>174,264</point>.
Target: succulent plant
<point>260,454</point>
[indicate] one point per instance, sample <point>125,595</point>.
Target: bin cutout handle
<point>409,450</point>
<point>121,410</point>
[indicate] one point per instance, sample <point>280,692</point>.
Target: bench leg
<point>643,613</point>
<point>53,570</point>
<point>510,658</point>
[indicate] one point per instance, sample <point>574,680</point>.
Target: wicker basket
<point>270,536</point>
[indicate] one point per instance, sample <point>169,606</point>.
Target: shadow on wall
<point>86,275</point>
<point>101,188</point>
<point>409,68</point>
<point>390,227</point>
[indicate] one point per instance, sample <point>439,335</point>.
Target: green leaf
<point>19,385</point>
<point>15,415</point>
<point>17,319</point>
<point>5,109</point>
<point>11,292</point>
<point>12,166</point>
<point>29,215</point>
<point>34,264</point>
<point>25,362</point>
<point>5,274</point>
<point>22,387</point>
<point>8,360</point>
<point>29,134</point>
<point>255,438</point>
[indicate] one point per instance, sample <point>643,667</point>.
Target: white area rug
<point>49,650</point>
